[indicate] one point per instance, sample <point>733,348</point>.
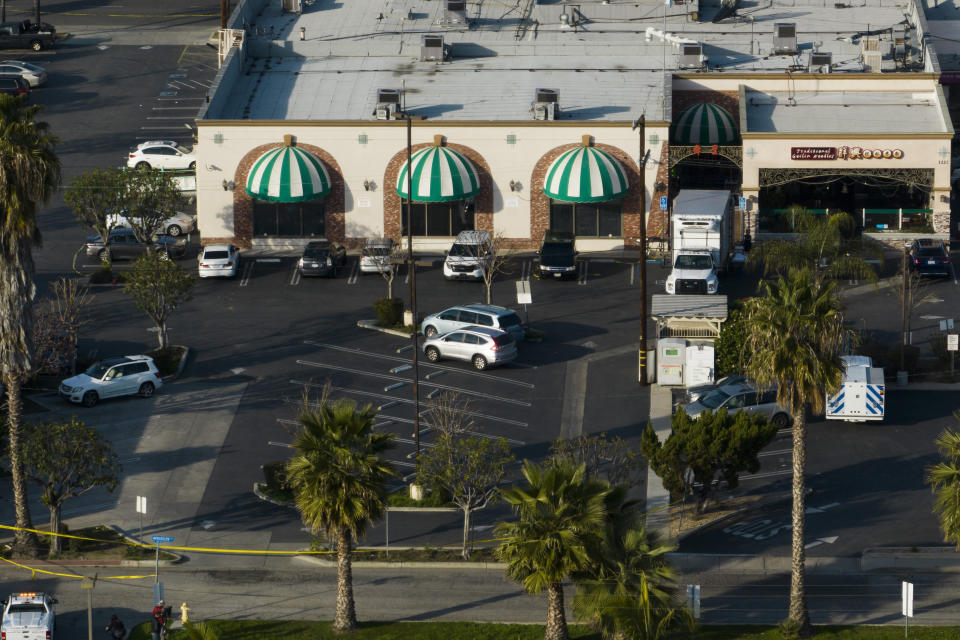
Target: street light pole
<point>412,270</point>
<point>641,123</point>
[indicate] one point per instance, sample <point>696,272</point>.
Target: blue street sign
<point>162,539</point>
<point>663,203</point>
<point>743,203</point>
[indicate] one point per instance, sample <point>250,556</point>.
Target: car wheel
<point>781,421</point>
<point>433,354</point>
<point>174,230</point>
<point>479,362</point>
<point>36,45</point>
<point>193,165</point>
<point>90,398</point>
<point>430,331</point>
<point>143,165</point>
<point>146,390</point>
<point>103,255</point>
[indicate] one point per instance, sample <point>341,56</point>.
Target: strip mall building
<point>526,115</point>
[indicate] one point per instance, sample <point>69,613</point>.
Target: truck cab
<point>28,616</point>
<point>694,271</point>
<point>27,35</point>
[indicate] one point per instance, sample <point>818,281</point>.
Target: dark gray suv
<point>123,245</point>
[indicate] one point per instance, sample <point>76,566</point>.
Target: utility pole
<point>412,266</point>
<point>903,311</point>
<point>36,11</point>
<point>224,13</point>
<point>641,123</point>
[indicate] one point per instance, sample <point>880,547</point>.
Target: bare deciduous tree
<point>450,414</point>
<point>388,263</point>
<point>494,263</point>
<point>609,459</point>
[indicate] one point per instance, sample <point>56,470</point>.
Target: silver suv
<point>484,315</point>
<point>741,396</point>
<point>483,346</point>
<point>127,376</point>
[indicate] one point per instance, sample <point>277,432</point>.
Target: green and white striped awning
<point>704,124</point>
<point>288,174</point>
<point>439,175</point>
<point>585,174</point>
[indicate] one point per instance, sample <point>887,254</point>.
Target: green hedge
<point>389,311</point>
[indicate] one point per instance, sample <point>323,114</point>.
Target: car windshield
<point>316,252</point>
<point>97,370</point>
<point>471,250</point>
<point>714,399</point>
<point>183,149</point>
<point>376,252</point>
<point>27,608</point>
<point>215,255</point>
<point>556,249</point>
<point>693,262</point>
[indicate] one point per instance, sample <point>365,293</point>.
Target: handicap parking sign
<point>663,203</point>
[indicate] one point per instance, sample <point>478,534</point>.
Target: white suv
<point>126,376</point>
<point>161,154</point>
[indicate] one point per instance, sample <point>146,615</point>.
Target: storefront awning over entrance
<point>704,124</point>
<point>288,174</point>
<point>585,174</point>
<point>439,175</point>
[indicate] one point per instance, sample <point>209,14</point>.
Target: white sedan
<point>161,154</point>
<point>31,73</point>
<point>177,224</point>
<point>218,261</point>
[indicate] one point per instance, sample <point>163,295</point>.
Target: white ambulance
<point>28,616</point>
<point>862,394</point>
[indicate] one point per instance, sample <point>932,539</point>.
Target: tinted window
<point>470,250</point>
<point>216,255</point>
<point>139,367</point>
<point>738,401</point>
<point>510,320</point>
<point>693,262</point>
<point>97,370</point>
<point>469,317</point>
<point>484,320</point>
<point>455,337</point>
<point>714,399</point>
<point>449,315</point>
<point>316,252</point>
<point>931,251</point>
<point>473,339</point>
<point>27,608</point>
<point>502,341</point>
<point>768,397</point>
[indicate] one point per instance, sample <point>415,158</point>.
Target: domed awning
<point>585,174</point>
<point>704,124</point>
<point>439,175</point>
<point>288,174</point>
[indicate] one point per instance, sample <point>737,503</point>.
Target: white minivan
<point>468,256</point>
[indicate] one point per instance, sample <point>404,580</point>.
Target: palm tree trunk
<point>798,597</point>
<point>345,618</point>
<point>556,618</point>
<point>25,543</point>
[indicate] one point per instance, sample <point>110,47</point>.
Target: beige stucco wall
<point>364,210</point>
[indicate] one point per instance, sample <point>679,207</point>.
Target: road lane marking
<point>247,270</point>
<point>774,453</point>
<point>584,268</point>
<point>354,273</point>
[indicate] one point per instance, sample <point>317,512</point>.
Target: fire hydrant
<point>184,611</point>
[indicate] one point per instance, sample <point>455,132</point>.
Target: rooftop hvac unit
<point>546,105</point>
<point>691,56</point>
<point>870,44</point>
<point>431,49</point>
<point>872,61</point>
<point>388,104</point>
<point>785,38</point>
<point>899,42</point>
<point>819,62</point>
<point>391,96</point>
<point>455,12</point>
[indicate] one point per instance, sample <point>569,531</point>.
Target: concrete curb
<point>379,564</point>
<point>372,324</point>
<point>183,363</point>
<point>424,509</point>
<point>260,494</point>
<point>926,559</point>
<point>143,563</point>
<point>759,504</point>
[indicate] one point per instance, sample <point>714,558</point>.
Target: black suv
<point>928,257</point>
<point>322,258</point>
<point>558,257</point>
<point>123,245</point>
<point>13,85</point>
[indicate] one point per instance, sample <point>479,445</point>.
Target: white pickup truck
<point>28,616</point>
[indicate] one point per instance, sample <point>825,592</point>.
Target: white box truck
<point>701,240</point>
<point>861,394</point>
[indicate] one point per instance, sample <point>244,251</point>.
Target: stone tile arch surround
<point>392,202</point>
<point>631,209</point>
<point>243,204</point>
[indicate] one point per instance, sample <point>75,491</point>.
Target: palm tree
<point>29,174</point>
<point>944,480</point>
<point>824,244</point>
<point>339,483</point>
<point>629,592</point>
<point>794,336</point>
<point>561,517</point>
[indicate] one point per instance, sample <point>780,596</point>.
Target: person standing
<point>158,620</point>
<point>116,629</point>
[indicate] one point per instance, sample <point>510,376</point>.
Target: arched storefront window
<point>444,184</point>
<point>586,187</point>
<point>288,186</point>
<point>587,219</point>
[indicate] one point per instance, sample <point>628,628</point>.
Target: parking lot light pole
<point>412,267</point>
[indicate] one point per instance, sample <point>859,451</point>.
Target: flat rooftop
<point>606,60</point>
<point>844,112</point>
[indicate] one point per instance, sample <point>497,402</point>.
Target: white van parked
<point>376,255</point>
<point>468,256</point>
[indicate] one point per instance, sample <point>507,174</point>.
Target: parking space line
<point>247,270</point>
<point>774,453</point>
<point>334,347</point>
<point>584,267</point>
<point>395,401</point>
<point>526,268</point>
<point>295,276</point>
<point>354,273</point>
<point>769,474</point>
